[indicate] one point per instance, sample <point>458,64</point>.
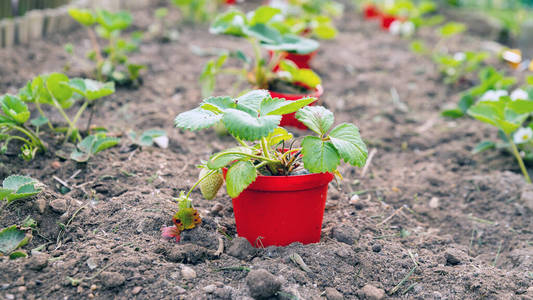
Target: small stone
<point>90,296</point>
<point>346,234</point>
<point>41,205</point>
<point>56,165</point>
<point>112,279</point>
<point>241,248</point>
<point>373,293</point>
<point>80,289</point>
<point>333,294</point>
<point>453,257</point>
<point>262,284</point>
<point>434,202</point>
<point>38,262</point>
<point>22,289</point>
<point>93,287</point>
<point>20,281</point>
<point>136,290</point>
<point>92,263</point>
<point>188,273</point>
<point>161,141</point>
<point>376,248</point>
<point>210,288</point>
<point>10,297</point>
<point>59,205</point>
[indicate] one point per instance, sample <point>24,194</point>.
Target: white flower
<point>408,28</point>
<point>395,27</point>
<point>519,94</point>
<point>522,135</point>
<point>492,95</point>
<point>459,56</point>
<point>238,21</point>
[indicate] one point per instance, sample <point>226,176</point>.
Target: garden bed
<point>466,220</point>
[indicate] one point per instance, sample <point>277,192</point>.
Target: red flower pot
<point>230,2</point>
<point>371,11</point>
<point>290,119</point>
<point>280,210</point>
<point>301,60</point>
<point>386,21</point>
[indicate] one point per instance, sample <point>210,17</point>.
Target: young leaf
<point>196,119</point>
<point>264,33</point>
<point>92,89</point>
<point>15,109</point>
<point>347,140</point>
<point>147,137</point>
<point>493,113</point>
<point>319,156</point>
<point>263,14</point>
<point>317,118</point>
<point>57,85</point>
<point>222,159</point>
<point>231,22</point>
<point>253,99</point>
<point>114,21</point>
<point>293,43</point>
<point>247,127</point>
<point>12,238</point>
<point>451,28</point>
<point>278,106</point>
<point>277,136</point>
<point>485,145</point>
<point>239,177</point>
<point>305,76</point>
<point>452,113</point>
<point>83,16</point>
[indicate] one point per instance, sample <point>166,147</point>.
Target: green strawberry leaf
<point>12,238</point>
<point>57,85</point>
<point>451,29</point>
<point>231,23</point>
<point>347,140</point>
<point>114,21</point>
<point>293,43</point>
<point>253,99</point>
<point>483,146</point>
<point>14,108</point>
<point>263,14</point>
<point>223,158</point>
<point>278,106</point>
<point>264,33</point>
<point>319,156</point>
<point>247,127</point>
<point>306,76</point>
<point>239,177</point>
<point>277,136</point>
<point>92,89</point>
<point>83,16</point>
<point>197,119</point>
<point>317,118</point>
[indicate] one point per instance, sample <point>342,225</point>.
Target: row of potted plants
<point>278,189</point>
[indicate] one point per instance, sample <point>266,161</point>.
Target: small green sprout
<point>91,145</point>
<point>17,187</point>
<point>13,238</point>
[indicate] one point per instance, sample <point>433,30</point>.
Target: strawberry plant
<point>91,145</point>
<point>259,73</point>
<point>509,117</point>
<point>112,62</point>
<point>16,187</point>
<point>455,68</point>
<point>196,11</point>
<point>13,126</point>
<point>264,148</point>
<point>12,238</point>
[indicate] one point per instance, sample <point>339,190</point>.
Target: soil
<point>281,86</point>
<point>465,220</point>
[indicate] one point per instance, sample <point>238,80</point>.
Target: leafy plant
<point>456,67</point>
<point>11,239</point>
<point>146,139</point>
<point>257,72</point>
<point>91,145</point>
<point>255,117</point>
<point>112,62</point>
<point>508,116</point>
<point>60,92</point>
<point>13,119</point>
<point>16,187</point>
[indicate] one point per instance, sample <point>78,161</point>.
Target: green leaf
<point>222,159</point>
<point>103,143</point>
<point>521,106</point>
<point>39,92</point>
<point>91,145</point>
<point>57,85</point>
<point>493,113</point>
<point>277,136</point>
<point>15,182</point>
<point>529,79</point>
<point>452,113</point>
<point>316,118</point>
<point>134,70</point>
<point>239,177</point>
<point>12,238</point>
<point>17,254</point>
<point>319,156</point>
<point>465,102</point>
<point>114,21</point>
<point>418,47</point>
<point>39,121</point>
<point>83,16</point>
<point>15,109</point>
<point>347,140</point>
<point>278,106</point>
<point>217,104</point>
<point>253,99</point>
<point>451,28</point>
<point>196,119</point>
<point>485,145</point>
<point>293,43</point>
<point>92,89</point>
<point>264,33</point>
<point>147,137</point>
<point>231,22</point>
<point>247,127</point>
<point>306,76</point>
<point>263,14</point>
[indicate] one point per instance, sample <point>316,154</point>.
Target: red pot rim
<point>317,93</point>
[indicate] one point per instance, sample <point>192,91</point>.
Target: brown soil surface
<point>466,220</point>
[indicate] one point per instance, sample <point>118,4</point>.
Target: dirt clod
<point>59,205</point>
<point>346,234</point>
<point>333,294</point>
<point>41,205</point>
<point>377,248</point>
<point>262,284</point>
<point>112,279</point>
<point>241,248</point>
<point>188,273</point>
<point>38,262</point>
<point>453,257</point>
<point>136,290</point>
<point>371,292</point>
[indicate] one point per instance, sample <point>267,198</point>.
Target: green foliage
<point>296,75</point>
<point>109,26</point>
<point>16,187</point>
<point>450,29</point>
<point>11,239</point>
<point>196,11</point>
<point>91,145</point>
<point>255,117</point>
<point>146,139</point>
<point>455,67</point>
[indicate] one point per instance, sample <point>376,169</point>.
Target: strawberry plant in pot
<point>288,81</point>
<point>278,189</point>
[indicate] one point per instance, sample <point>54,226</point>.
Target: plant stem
<point>198,182</point>
<point>32,135</point>
<point>248,155</point>
<point>519,159</point>
<point>259,76</point>
<point>241,142</point>
<point>42,114</point>
<point>289,152</point>
<point>77,116</point>
<point>96,48</point>
<point>264,147</point>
